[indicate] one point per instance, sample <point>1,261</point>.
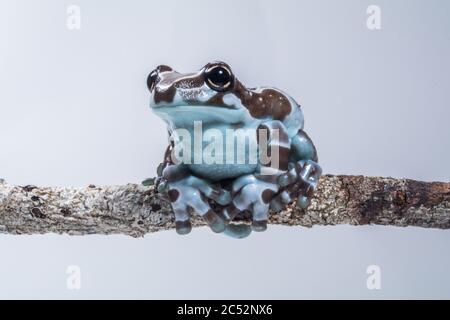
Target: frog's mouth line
<point>206,110</point>
<point>183,115</point>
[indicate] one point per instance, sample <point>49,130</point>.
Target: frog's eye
<point>218,77</point>
<point>152,79</point>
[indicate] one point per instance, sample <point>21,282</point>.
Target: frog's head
<point>213,94</point>
<point>181,98</point>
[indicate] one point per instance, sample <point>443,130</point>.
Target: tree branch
<point>136,210</point>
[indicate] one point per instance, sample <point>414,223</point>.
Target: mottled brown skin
<point>261,105</point>
<point>303,135</point>
<point>268,102</point>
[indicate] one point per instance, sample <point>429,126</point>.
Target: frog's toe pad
<point>216,223</point>
<point>276,205</point>
<point>183,227</point>
<point>303,202</point>
<point>238,231</point>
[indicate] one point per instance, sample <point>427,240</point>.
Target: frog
<point>284,168</point>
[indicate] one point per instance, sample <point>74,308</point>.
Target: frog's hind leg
<point>304,168</point>
<point>274,147</point>
<point>255,192</point>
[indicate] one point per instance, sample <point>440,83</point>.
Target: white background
<point>74,111</point>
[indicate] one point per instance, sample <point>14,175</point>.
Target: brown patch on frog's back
<point>267,103</point>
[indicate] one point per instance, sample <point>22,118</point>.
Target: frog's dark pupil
<point>219,77</point>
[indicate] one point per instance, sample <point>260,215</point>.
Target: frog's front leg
<point>186,191</point>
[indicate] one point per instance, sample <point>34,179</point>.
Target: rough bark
<point>136,210</point>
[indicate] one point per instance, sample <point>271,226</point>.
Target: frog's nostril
<point>152,80</point>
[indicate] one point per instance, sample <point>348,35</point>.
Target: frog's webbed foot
<point>255,194</point>
<point>280,200</point>
<point>186,192</point>
<point>306,173</point>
